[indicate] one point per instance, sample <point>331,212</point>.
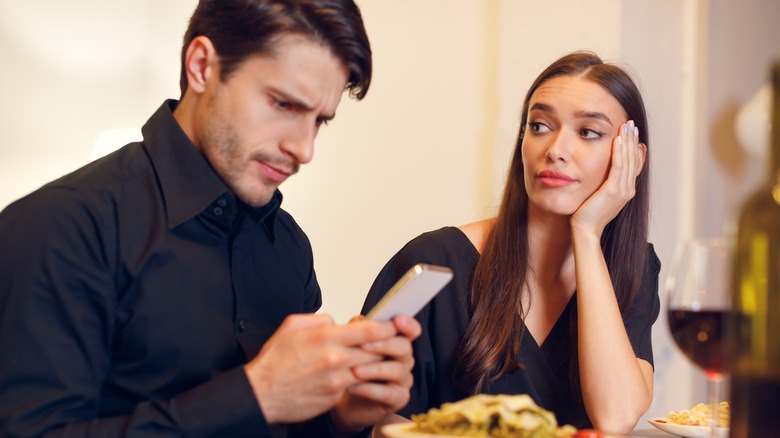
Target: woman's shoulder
<point>477,232</point>
<point>452,238</point>
<point>444,239</point>
<point>445,245</point>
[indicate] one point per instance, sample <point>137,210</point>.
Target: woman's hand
<point>628,158</point>
<point>615,393</point>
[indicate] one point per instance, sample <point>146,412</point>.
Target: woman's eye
<point>590,134</point>
<point>538,127</point>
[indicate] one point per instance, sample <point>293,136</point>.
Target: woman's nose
<point>558,148</point>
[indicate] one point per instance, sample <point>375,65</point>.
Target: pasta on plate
<point>501,416</point>
<point>699,415</point>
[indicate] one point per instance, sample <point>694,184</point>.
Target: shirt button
<point>217,211</point>
<point>241,325</point>
<point>221,202</point>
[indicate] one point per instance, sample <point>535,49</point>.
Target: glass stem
<point>713,384</point>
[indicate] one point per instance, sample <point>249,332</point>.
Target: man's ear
<point>201,63</point>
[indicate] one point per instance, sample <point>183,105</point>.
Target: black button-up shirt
<point>133,290</point>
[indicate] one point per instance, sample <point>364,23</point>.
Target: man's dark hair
<point>240,29</point>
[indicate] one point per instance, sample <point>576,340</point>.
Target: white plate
<point>403,430</point>
<point>688,431</point>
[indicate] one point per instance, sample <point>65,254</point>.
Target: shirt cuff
<point>322,426</point>
<point>224,404</point>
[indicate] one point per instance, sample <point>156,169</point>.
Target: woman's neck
<point>550,256</point>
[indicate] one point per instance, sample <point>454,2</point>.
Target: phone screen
<point>412,292</point>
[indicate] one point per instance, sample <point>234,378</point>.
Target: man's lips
<point>274,173</point>
<point>551,178</point>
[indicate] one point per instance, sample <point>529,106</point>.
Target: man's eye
<point>282,105</point>
<point>538,127</point>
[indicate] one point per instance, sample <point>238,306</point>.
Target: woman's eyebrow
<point>542,107</point>
<point>583,114</point>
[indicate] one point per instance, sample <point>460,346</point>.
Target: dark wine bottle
<point>755,382</point>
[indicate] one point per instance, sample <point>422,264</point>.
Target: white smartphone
<point>412,292</point>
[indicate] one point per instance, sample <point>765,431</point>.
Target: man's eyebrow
<point>290,99</point>
<point>299,104</point>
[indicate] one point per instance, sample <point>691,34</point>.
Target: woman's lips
<point>551,178</point>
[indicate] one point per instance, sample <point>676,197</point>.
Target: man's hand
<point>306,366</point>
<point>384,386</point>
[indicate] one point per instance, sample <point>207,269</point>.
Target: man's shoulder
<point>286,220</point>
<point>286,223</point>
<point>116,169</point>
<point>97,186</point>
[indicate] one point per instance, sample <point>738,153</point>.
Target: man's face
<point>257,127</point>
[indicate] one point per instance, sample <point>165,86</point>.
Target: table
<point>650,433</point>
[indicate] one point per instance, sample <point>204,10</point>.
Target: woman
<point>555,297</point>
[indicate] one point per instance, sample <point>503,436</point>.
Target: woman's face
<point>567,147</point>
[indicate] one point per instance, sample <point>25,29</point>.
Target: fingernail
<point>625,128</point>
<point>636,132</point>
<point>620,140</point>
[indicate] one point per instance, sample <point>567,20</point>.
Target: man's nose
<point>301,145</point>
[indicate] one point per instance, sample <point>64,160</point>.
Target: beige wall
<point>429,145</point>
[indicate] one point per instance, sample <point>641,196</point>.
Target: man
<point>162,291</point>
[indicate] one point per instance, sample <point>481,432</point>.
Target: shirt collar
<point>188,182</point>
<point>266,214</point>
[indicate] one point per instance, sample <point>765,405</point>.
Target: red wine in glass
<point>702,337</point>
<point>700,312</point>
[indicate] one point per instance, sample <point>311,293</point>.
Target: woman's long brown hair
<point>490,346</point>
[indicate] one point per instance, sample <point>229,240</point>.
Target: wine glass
<point>699,286</point>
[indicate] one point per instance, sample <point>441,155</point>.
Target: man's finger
<point>361,332</point>
<point>408,326</point>
<point>392,396</point>
<point>306,321</point>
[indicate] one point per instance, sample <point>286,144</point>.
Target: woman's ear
<point>642,157</point>
<point>200,62</point>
